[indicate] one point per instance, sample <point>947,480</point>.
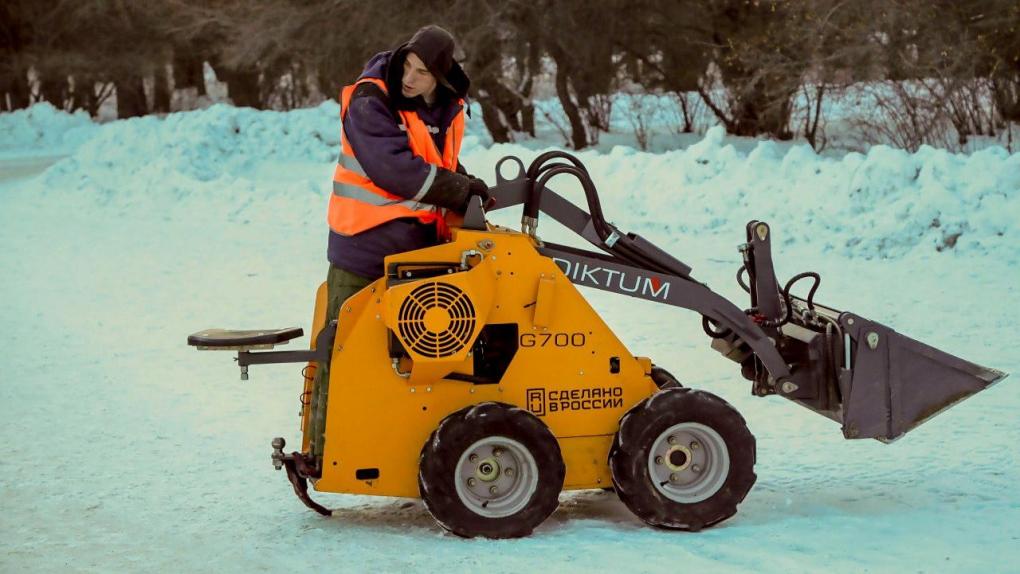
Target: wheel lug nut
<point>696,468</point>
<point>509,472</point>
<point>497,452</point>
<point>473,458</point>
<point>493,489</point>
<point>671,440</point>
<point>471,482</point>
<point>695,445</point>
<point>658,460</point>
<point>673,477</point>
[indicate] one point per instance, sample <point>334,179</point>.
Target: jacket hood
<point>376,66</point>
<point>435,47</point>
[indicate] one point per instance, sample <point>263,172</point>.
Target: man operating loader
<point>398,173</point>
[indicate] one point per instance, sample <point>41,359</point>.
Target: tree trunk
<point>509,103</point>
<point>685,110</point>
<point>528,105</point>
<point>6,82</point>
<point>188,71</point>
<point>89,101</point>
<point>528,118</point>
<point>86,95</point>
<point>501,109</point>
<point>130,97</point>
<point>1006,95</point>
<point>578,134</point>
<point>81,95</point>
<point>53,89</point>
<point>299,84</point>
<point>763,109</point>
<point>493,121</point>
<point>242,87</point>
<point>19,94</point>
<point>161,91</point>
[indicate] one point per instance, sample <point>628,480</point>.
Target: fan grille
<point>436,320</point>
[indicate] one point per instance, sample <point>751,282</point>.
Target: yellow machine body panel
<point>308,373</point>
<point>569,369</point>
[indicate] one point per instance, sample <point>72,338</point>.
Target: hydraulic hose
<point>537,165</point>
<point>811,294</point>
<point>591,194</point>
<point>706,325</point>
<point>603,229</point>
<point>786,296</point>
<point>536,169</point>
<point>785,292</point>
<point>740,280</point>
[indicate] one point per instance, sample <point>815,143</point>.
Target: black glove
<point>481,189</point>
<point>453,191</point>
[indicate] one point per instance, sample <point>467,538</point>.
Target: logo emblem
<point>536,401</point>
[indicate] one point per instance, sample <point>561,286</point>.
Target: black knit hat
<point>435,47</point>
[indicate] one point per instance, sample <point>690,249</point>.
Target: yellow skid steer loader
<point>476,376</point>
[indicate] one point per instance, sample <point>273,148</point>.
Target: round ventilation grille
<point>436,320</point>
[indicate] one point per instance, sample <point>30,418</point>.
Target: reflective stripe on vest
<point>357,204</point>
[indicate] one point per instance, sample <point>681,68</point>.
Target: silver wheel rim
<point>496,477</point>
<point>688,462</point>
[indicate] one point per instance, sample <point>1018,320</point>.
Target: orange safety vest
<point>357,204</point>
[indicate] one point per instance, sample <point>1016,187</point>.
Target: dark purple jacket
<point>373,130</point>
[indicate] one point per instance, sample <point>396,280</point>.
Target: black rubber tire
<point>639,428</point>
<point>457,432</point>
<point>664,379</point>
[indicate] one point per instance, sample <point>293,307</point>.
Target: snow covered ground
<point>129,451</point>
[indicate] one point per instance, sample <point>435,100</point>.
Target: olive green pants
<point>340,284</point>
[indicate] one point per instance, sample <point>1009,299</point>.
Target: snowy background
<point>129,451</point>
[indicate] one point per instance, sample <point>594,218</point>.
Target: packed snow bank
<point>220,141</point>
<point>43,129</point>
<point>885,203</point>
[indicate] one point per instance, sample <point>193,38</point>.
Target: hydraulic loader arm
<point>600,272</point>
<point>631,265</point>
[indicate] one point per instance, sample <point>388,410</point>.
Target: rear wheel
<point>683,459</point>
<point>491,470</point>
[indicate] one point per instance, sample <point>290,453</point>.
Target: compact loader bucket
<point>895,383</point>
<point>878,383</point>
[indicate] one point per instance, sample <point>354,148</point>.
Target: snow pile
<point>44,128</point>
<point>882,204</point>
<point>212,143</point>
<point>885,203</point>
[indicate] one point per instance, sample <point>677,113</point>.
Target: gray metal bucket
<point>895,383</point>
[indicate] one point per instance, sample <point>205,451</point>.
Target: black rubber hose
<point>602,229</point>
<point>537,168</point>
<point>811,293</point>
<point>543,171</point>
<point>706,324</point>
<point>591,194</point>
<point>533,200</point>
<point>740,281</point>
<point>786,297</point>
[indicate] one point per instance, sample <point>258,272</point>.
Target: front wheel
<point>683,459</point>
<point>491,470</point>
